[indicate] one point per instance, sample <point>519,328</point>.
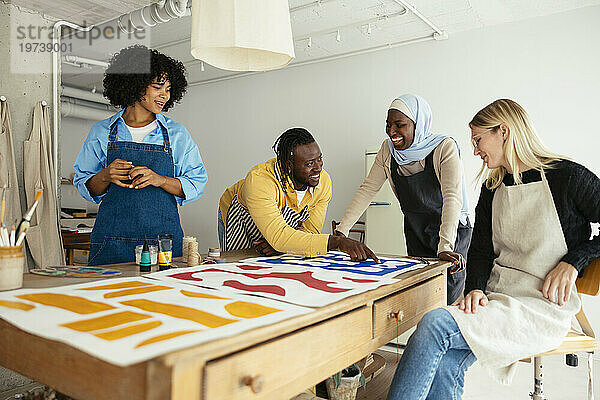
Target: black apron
<point>420,197</point>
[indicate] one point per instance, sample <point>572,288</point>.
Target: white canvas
<point>293,283</point>
<point>104,322</point>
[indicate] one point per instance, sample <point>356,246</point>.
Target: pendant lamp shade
<point>242,35</point>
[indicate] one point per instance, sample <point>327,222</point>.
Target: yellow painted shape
<point>140,290</point>
<point>128,331</point>
<point>17,305</point>
<point>166,336</point>
<point>106,321</point>
<point>243,309</point>
<point>202,295</point>
<point>75,304</point>
<point>173,310</point>
<point>120,285</point>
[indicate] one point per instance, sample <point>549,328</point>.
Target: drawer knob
<point>256,383</point>
<point>396,315</point>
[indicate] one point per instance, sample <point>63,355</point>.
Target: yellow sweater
<point>262,195</point>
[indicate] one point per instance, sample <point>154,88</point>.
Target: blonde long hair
<point>522,147</point>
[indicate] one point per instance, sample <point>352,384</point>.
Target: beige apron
<point>43,236</point>
<point>8,170</point>
<point>518,321</point>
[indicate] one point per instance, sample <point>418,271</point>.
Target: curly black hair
<point>284,147</point>
<point>133,69</point>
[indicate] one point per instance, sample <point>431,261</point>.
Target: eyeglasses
<point>474,140</point>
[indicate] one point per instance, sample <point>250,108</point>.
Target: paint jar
<point>12,262</point>
<point>165,252</point>
<point>153,254</point>
<point>214,252</point>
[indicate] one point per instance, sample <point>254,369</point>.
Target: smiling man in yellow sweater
<point>281,204</point>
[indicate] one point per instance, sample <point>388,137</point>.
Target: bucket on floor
<point>12,262</point>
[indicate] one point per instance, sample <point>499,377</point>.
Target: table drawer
<point>411,304</point>
<point>284,367</point>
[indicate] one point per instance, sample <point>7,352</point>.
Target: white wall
<point>548,64</point>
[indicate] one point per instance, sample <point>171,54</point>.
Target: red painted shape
<point>251,267</point>
<point>359,280</point>
<point>186,276</point>
<point>273,289</point>
<point>305,278</point>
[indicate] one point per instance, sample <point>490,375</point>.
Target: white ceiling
<point>390,24</point>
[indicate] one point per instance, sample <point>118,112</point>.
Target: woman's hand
<point>472,300</point>
<point>559,282</point>
<point>455,258</point>
<point>144,176</point>
<point>118,171</point>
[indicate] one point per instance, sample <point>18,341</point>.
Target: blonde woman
<point>531,239</point>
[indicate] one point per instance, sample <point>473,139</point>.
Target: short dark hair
<point>134,68</point>
<point>284,148</point>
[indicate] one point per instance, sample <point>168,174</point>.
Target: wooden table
<point>276,361</point>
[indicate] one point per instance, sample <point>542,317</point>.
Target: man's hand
<point>472,300</point>
<point>116,172</point>
<point>559,282</point>
<point>264,248</point>
<point>144,176</point>
<point>356,250</point>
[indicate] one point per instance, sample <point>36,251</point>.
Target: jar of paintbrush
<point>12,263</point>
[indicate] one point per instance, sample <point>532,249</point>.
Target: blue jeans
<point>220,228</point>
<point>434,362</point>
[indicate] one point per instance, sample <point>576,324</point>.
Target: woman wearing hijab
<point>520,292</point>
<point>426,174</point>
<point>139,164</point>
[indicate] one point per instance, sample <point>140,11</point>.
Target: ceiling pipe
<point>153,14</point>
<point>84,95</point>
<point>73,110</point>
<point>310,5</point>
<point>439,33</point>
<point>87,61</point>
<point>334,30</point>
<point>322,59</point>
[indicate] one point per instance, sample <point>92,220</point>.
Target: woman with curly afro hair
<point>139,164</point>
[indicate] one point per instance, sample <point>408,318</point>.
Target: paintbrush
<point>13,236</point>
<point>3,205</point>
<point>5,237</point>
<point>24,225</point>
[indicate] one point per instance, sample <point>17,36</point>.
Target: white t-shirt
<point>300,195</point>
<point>138,134</point>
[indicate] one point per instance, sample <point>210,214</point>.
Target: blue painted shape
<point>338,262</point>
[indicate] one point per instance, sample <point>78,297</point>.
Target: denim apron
<point>127,217</point>
<point>420,197</point>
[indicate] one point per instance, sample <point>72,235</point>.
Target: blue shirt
<point>189,168</point>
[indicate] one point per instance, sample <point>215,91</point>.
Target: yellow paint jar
<point>12,262</point>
